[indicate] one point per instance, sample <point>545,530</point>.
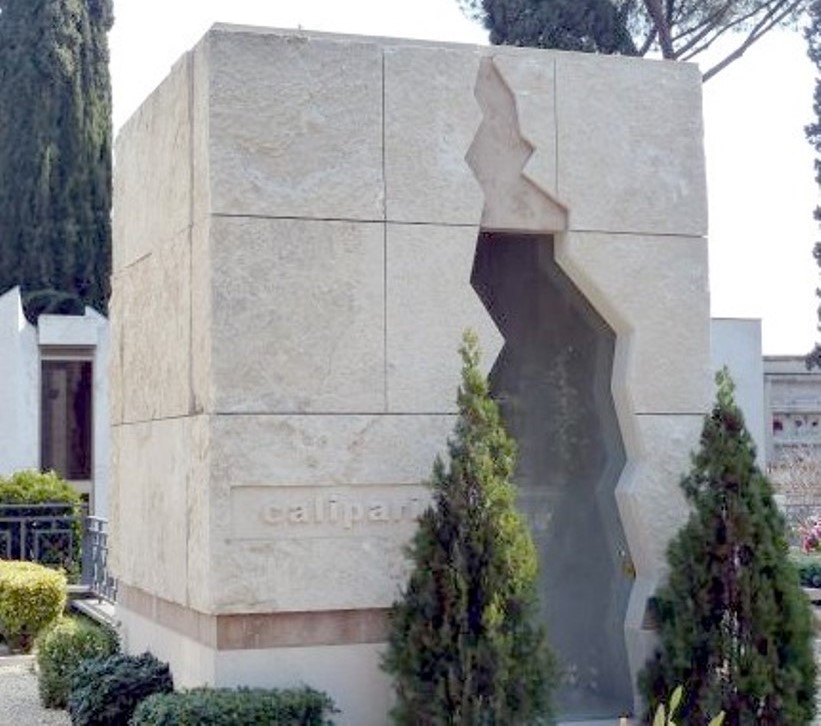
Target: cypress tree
<point>55,153</point>
<point>735,627</point>
<point>464,647</point>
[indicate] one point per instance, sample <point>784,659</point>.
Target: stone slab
<point>152,328</point>
<point>325,450</point>
<point>297,319</point>
<point>155,465</point>
<point>431,116</point>
<point>630,145</point>
<point>295,126</point>
<point>430,303</point>
<point>155,145</point>
<point>653,291</point>
<point>650,499</point>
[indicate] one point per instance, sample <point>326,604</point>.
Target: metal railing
<point>59,535</point>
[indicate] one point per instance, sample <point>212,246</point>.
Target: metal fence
<point>59,535</point>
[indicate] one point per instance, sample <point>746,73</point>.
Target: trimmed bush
<point>62,648</point>
<point>230,707</point>
<point>54,546</point>
<point>32,597</point>
<point>105,691</point>
<point>809,569</point>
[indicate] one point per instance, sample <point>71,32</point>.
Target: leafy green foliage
<point>235,707</point>
<point>55,153</point>
<point>735,626</point>
<point>464,647</point>
<point>664,714</point>
<point>675,29</point>
<point>59,547</point>
<point>105,691</point>
<point>62,648</point>
<point>809,568</point>
<point>32,597</point>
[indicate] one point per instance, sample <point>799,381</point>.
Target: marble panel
<point>155,145</point>
<point>653,291</point>
<point>295,125</point>
<point>430,303</point>
<point>297,320</point>
<point>431,116</point>
<point>630,137</point>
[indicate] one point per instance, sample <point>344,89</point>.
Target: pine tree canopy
<point>675,29</point>
<point>464,647</point>
<point>735,626</point>
<point>55,153</point>
<point>813,35</point>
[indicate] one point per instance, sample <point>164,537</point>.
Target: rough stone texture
<point>431,117</point>
<point>653,291</point>
<point>532,81</point>
<point>311,205</point>
<point>295,126</point>
<point>427,312</point>
<point>630,139</point>
<point>323,450</point>
<point>154,339</point>
<point>498,157</point>
<point>298,316</point>
<point>161,461</point>
<point>154,144</point>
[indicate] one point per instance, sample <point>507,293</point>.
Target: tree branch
<point>754,35</point>
<point>686,53</point>
<point>656,13</point>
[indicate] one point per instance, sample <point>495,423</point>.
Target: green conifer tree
<point>735,626</point>
<point>464,646</point>
<point>55,153</point>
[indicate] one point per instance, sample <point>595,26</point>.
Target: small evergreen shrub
<point>235,707</point>
<point>465,647</point>
<point>105,691</point>
<point>809,569</point>
<point>62,648</point>
<point>32,597</point>
<point>735,627</point>
<point>58,547</point>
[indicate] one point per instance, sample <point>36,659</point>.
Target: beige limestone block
<point>154,463</point>
<point>653,291</point>
<point>115,357</point>
<point>649,497</point>
<point>431,116</point>
<point>531,79</point>
<point>152,173</point>
<point>499,156</point>
<point>297,320</point>
<point>202,389</point>
<point>323,450</point>
<point>630,139</point>
<point>309,574</point>
<point>154,333</point>
<point>430,303</point>
<point>295,126</point>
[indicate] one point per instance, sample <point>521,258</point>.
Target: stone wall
<point>296,220</point>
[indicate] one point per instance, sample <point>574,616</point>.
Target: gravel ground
<point>19,703</point>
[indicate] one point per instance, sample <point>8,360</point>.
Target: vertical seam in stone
<point>384,253</point>
<point>556,130</point>
<point>191,91</point>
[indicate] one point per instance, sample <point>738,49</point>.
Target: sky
<point>760,176</point>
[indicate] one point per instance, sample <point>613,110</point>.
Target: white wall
<point>20,386</point>
<point>736,343</point>
<point>19,380</point>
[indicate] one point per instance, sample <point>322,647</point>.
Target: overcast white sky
<point>759,167</point>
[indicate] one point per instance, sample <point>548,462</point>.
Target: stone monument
<point>304,225</point>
